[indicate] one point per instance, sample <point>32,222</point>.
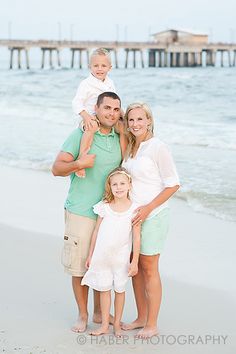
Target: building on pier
<point>181,37</point>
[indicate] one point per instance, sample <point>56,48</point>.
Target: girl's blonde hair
<point>108,196</point>
<point>131,137</point>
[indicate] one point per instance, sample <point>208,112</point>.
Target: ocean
<point>194,110</point>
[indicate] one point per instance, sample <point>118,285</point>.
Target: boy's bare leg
<point>97,314</point>
<point>81,297</point>
<point>105,301</point>
<point>119,306</point>
<point>86,142</point>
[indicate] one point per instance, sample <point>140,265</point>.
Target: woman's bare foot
<point>80,325</point>
<point>99,331</point>
<point>97,318</point>
<point>118,331</point>
<point>138,323</point>
<point>81,173</point>
<point>147,332</point>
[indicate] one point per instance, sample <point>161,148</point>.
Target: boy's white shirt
<point>88,91</point>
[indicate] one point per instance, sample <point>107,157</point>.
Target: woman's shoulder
<point>156,144</point>
<point>157,141</point>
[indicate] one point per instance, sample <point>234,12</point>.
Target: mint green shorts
<point>154,232</point>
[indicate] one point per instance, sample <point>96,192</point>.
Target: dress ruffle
<point>99,209</point>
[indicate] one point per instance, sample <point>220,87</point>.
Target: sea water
<point>194,110</point>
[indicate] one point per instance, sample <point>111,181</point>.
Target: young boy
<point>86,96</point>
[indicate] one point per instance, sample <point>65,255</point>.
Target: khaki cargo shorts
<point>78,233</point>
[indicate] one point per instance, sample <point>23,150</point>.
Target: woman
<point>155,180</point>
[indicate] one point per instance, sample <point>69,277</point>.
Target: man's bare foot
<point>97,318</point>
<point>147,332</point>
<point>80,325</point>
<point>99,331</point>
<point>133,325</point>
<point>118,331</point>
<point>81,173</point>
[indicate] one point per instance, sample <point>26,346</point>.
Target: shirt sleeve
<point>99,209</point>
<point>113,87</point>
<point>72,143</point>
<point>167,167</point>
<point>78,103</point>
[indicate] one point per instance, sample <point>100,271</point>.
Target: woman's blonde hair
<point>131,137</point>
<point>108,196</point>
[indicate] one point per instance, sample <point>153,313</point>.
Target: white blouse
<point>152,170</point>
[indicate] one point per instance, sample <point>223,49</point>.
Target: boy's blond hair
<point>101,51</point>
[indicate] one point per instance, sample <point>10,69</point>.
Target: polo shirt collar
<point>112,133</point>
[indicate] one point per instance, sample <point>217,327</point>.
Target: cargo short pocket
<point>70,252</point>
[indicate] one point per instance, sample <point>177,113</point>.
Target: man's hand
<point>86,160</point>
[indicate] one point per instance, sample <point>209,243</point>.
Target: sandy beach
<point>37,307</point>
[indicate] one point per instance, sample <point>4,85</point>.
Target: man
<point>104,156</point>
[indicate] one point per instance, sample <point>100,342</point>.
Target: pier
<point>144,54</point>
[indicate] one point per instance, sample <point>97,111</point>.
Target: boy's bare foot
<point>80,325</point>
<point>97,318</point>
<point>81,173</point>
<point>147,332</point>
<point>138,323</point>
<point>99,331</point>
<point>118,331</point>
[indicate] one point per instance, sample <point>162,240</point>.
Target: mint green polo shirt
<point>85,192</point>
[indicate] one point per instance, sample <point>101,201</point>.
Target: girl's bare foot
<point>117,331</point>
<point>138,323</point>
<point>147,332</point>
<point>80,325</point>
<point>97,318</point>
<point>99,331</point>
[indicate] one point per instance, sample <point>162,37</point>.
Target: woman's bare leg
<point>141,302</point>
<point>153,287</point>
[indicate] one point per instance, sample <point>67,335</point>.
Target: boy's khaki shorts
<point>78,233</point>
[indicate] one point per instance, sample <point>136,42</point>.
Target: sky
<point>115,19</point>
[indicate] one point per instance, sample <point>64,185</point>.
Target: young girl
<point>109,255</point>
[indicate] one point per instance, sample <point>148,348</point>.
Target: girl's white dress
<point>111,256</point>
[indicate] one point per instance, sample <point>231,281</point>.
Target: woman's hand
<point>142,214</point>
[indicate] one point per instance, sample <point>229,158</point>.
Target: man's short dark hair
<point>107,94</point>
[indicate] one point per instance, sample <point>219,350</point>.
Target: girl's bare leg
<point>153,287</point>
<point>105,302</point>
<point>97,315</point>
<point>119,306</point>
<point>141,302</point>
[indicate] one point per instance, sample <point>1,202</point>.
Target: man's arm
<point>65,164</point>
